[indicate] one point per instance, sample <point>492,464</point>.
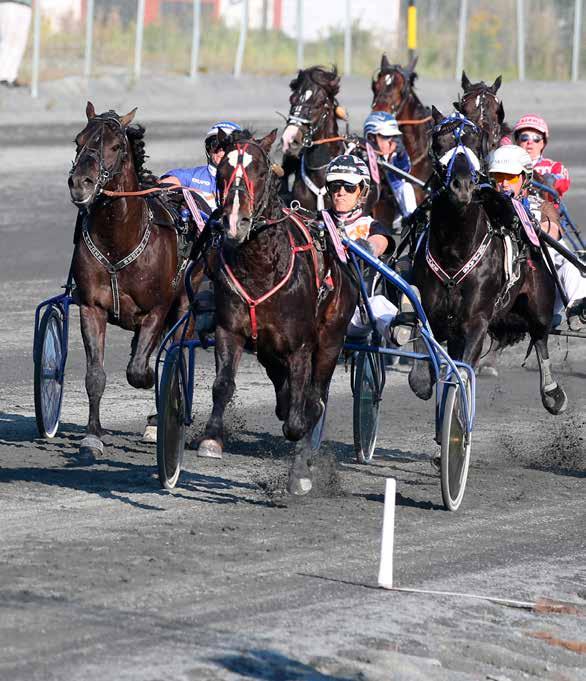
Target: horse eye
<point>116,147</point>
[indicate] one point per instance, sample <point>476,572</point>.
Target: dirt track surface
<point>103,575</point>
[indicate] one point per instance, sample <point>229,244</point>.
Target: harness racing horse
<point>460,266</point>
<point>124,265</point>
<point>480,104</point>
<point>273,294</point>
<point>311,138</point>
<point>393,91</point>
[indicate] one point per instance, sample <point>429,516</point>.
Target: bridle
<point>300,116</point>
<point>389,74</point>
<point>456,125</point>
<point>480,93</point>
<point>105,174</point>
<point>240,182</point>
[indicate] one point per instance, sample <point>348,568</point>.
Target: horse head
<point>456,147</point>
<point>102,149</point>
<point>313,102</point>
<point>481,105</point>
<point>392,85</point>
<point>244,182</point>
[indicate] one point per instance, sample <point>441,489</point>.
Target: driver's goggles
<point>530,137</point>
<point>334,187</point>
<point>506,177</point>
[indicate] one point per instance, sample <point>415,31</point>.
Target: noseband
<point>459,124</point>
<point>104,174</point>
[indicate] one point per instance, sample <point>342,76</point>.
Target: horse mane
<point>326,78</point>
<point>135,134</point>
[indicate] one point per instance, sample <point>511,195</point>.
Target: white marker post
<point>385,573</point>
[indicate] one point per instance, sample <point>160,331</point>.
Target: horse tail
<point>508,329</point>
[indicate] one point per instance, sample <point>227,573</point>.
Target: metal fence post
<point>89,38</point>
<point>36,49</point>
<point>299,34</point>
<point>577,34</point>
<point>139,39</point>
<point>241,40</point>
<point>461,38</point>
<point>521,39</point>
<point>348,39</point>
<point>195,39</point>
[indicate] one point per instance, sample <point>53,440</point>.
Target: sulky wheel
<point>171,419</point>
<point>368,387</point>
<point>455,450</point>
<point>48,358</point>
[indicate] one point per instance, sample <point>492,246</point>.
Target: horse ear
<point>268,140</point>
<point>128,118</point>
<point>501,113</point>
<point>465,81</point>
<point>456,106</point>
<point>222,136</point>
<point>412,64</point>
<point>90,112</point>
<point>496,85</point>
<point>385,65</point>
<point>437,115</point>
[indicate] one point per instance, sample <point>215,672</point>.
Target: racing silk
<point>356,225</point>
<point>200,178</point>
<point>545,166</point>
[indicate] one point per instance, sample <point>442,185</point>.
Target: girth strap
<point>114,268</point>
<point>464,271</point>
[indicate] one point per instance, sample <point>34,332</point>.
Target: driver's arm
<point>170,180</point>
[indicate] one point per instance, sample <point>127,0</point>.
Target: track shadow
<point>269,665</point>
<point>402,500</point>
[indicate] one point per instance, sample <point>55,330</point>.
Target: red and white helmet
<point>534,122</point>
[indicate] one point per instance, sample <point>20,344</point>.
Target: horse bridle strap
<point>464,271</point>
<point>114,268</point>
<point>254,302</point>
<point>319,192</point>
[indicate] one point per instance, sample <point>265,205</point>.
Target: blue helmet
<point>226,126</point>
<point>381,123</point>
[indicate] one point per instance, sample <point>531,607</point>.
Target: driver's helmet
<point>211,138</point>
<point>381,123</point>
<point>534,122</point>
<point>348,168</point>
<point>511,159</point>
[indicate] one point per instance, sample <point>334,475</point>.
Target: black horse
<point>273,296</point>
<point>312,121</point>
<point>460,266</point>
<point>481,105</point>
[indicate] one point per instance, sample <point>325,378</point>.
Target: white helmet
<point>381,123</point>
<point>510,159</point>
<point>348,168</point>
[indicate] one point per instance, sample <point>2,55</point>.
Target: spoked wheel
<point>455,451</point>
<point>171,420</point>
<point>368,386</point>
<point>48,358</point>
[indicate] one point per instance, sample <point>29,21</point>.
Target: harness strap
<point>114,268</point>
<point>464,271</point>
<point>193,209</point>
<point>313,188</point>
<point>415,121</point>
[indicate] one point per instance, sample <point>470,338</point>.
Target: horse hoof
<point>91,446</point>
<point>209,449</point>
<point>422,388</point>
<point>299,487</point>
<point>142,380</point>
<point>150,434</point>
<point>555,400</point>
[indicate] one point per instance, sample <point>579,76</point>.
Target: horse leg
<point>553,396</point>
<point>421,375</point>
<point>146,338</point>
<point>229,348</point>
<point>279,376</point>
<point>93,332</point>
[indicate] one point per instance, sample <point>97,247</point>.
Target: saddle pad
<point>526,222</point>
<point>373,163</point>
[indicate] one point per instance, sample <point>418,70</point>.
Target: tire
<point>368,384</point>
<point>171,420</point>
<point>48,380</point>
<point>455,452</point>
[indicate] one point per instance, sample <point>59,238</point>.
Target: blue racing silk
<point>200,178</point>
<point>401,160</point>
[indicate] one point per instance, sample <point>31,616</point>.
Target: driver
<point>381,130</point>
<point>203,178</point>
<point>347,183</point>
<point>511,167</point>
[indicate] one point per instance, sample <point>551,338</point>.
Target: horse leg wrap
<point>547,382</point>
<point>92,442</point>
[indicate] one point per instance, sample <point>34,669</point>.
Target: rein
<point>415,121</point>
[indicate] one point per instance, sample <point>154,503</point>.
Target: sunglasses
<point>530,137</point>
<point>334,187</point>
<point>502,177</point>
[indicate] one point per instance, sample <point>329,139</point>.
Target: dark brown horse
<point>481,105</point>
<point>271,297</point>
<point>460,266</point>
<point>393,91</point>
<point>125,266</point>
<point>313,118</point>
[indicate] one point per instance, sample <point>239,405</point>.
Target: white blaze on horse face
<point>288,137</point>
<point>233,161</point>
<point>234,216</point>
<point>388,78</point>
<point>306,96</point>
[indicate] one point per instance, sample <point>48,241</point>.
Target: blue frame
<point>436,354</point>
<point>63,301</point>
<point>569,229</point>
